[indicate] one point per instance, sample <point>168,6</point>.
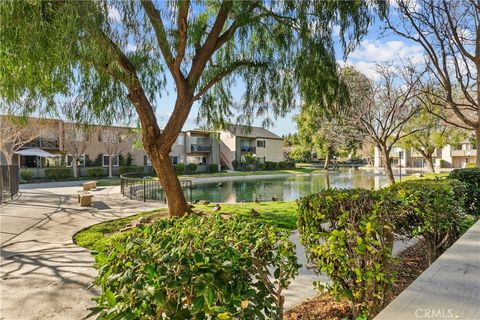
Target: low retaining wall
<point>448,289</point>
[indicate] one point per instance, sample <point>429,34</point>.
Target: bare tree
<point>449,32</point>
<point>111,138</point>
<point>16,132</point>
<point>381,109</point>
<point>76,140</point>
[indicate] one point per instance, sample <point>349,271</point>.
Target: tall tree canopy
<point>121,54</point>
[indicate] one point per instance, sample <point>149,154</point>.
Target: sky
<point>376,47</point>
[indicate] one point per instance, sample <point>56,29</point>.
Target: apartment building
<point>238,140</point>
<point>449,156</point>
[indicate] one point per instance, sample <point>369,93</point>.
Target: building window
<point>197,159</point>
<point>80,160</point>
<point>106,160</point>
<point>175,159</point>
<point>261,143</point>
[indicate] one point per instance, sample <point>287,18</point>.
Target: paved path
<point>45,276</point>
<point>448,289</point>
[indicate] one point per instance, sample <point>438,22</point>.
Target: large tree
<point>449,32</point>
<point>120,54</point>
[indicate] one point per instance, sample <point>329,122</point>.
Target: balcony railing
<point>464,153</point>
<point>45,143</point>
<point>200,148</point>
<point>247,149</point>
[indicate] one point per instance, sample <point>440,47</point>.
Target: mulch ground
<point>413,261</point>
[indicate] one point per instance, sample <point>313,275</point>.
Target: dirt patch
<point>413,261</point>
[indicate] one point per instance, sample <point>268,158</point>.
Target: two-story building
<point>237,141</point>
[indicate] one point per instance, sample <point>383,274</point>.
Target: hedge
<point>191,168</point>
<point>471,178</point>
<point>96,172</point>
<point>348,234</point>
<point>58,173</point>
<point>432,209</point>
<point>130,169</point>
<point>196,268</point>
<point>213,167</point>
<point>26,175</point>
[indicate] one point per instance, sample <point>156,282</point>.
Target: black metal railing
<point>248,149</point>
<point>9,182</point>
<point>200,148</point>
<point>135,186</point>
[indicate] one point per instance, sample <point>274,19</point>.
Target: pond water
<point>285,188</point>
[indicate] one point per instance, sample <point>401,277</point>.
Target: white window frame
<point>106,165</point>
<point>82,159</point>
<point>264,144</point>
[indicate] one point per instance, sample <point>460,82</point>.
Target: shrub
<point>269,165</point>
<point>261,166</point>
<point>58,173</point>
<point>192,167</point>
<point>235,164</point>
<point>283,165</point>
<point>130,169</point>
<point>121,160</point>
<point>180,168</point>
<point>129,159</point>
<point>348,235</point>
<point>213,167</point>
<point>431,209</point>
<point>471,178</point>
<point>470,165</point>
<point>196,268</point>
<point>96,172</point>
<point>276,166</point>
<point>26,175</point>
<point>291,165</point>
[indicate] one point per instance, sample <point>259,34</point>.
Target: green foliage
<point>129,169</point>
<point>250,158</point>
<point>261,166</point>
<point>236,164</point>
<point>213,167</point>
<point>26,175</point>
<point>191,168</point>
<point>58,173</point>
<point>471,178</point>
<point>431,209</point>
<point>470,165</point>
<point>129,160</point>
<point>121,160</point>
<point>96,172</point>
<point>196,268</point>
<point>180,168</point>
<point>348,235</point>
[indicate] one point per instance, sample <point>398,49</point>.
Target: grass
<point>429,175</point>
<point>280,214</point>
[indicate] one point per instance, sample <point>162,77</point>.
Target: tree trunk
<point>387,165</point>
<point>74,167</point>
<point>327,160</point>
<point>430,166</point>
<point>477,137</point>
<point>172,189</point>
<point>110,165</point>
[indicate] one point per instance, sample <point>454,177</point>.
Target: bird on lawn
<point>274,199</point>
<point>217,208</point>
<point>254,213</point>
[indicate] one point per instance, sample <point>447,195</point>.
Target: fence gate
<point>9,182</point>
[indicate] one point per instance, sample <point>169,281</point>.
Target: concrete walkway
<point>448,289</point>
<point>45,276</point>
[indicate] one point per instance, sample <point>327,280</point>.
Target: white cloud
<point>114,14</point>
<point>377,51</point>
<point>131,47</point>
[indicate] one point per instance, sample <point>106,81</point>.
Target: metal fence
<point>137,187</point>
<point>9,182</point>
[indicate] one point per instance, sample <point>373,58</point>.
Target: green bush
<point>348,235</point>
<point>196,268</point>
<point>180,168</point>
<point>270,165</point>
<point>431,209</point>
<point>96,172</point>
<point>470,165</point>
<point>192,167</point>
<point>283,165</point>
<point>235,164</point>
<point>26,175</point>
<point>213,167</point>
<point>291,165</point>
<point>129,159</point>
<point>261,166</point>
<point>130,169</point>
<point>471,178</point>
<point>58,173</point>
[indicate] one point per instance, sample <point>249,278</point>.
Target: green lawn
<point>280,214</point>
<point>429,175</point>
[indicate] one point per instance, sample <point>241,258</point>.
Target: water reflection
<point>286,188</point>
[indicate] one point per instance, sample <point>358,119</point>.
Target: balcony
<point>200,148</point>
<point>250,149</point>
<point>464,153</point>
<point>45,143</point>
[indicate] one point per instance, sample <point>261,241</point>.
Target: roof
<point>252,132</point>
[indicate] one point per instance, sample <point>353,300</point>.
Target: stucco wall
<point>273,150</point>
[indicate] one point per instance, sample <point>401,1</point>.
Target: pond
<point>285,188</point>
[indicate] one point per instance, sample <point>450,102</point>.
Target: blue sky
<point>376,47</point>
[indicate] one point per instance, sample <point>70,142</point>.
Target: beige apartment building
<point>237,141</point>
<point>449,157</point>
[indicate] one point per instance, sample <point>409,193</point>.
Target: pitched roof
<point>252,132</point>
